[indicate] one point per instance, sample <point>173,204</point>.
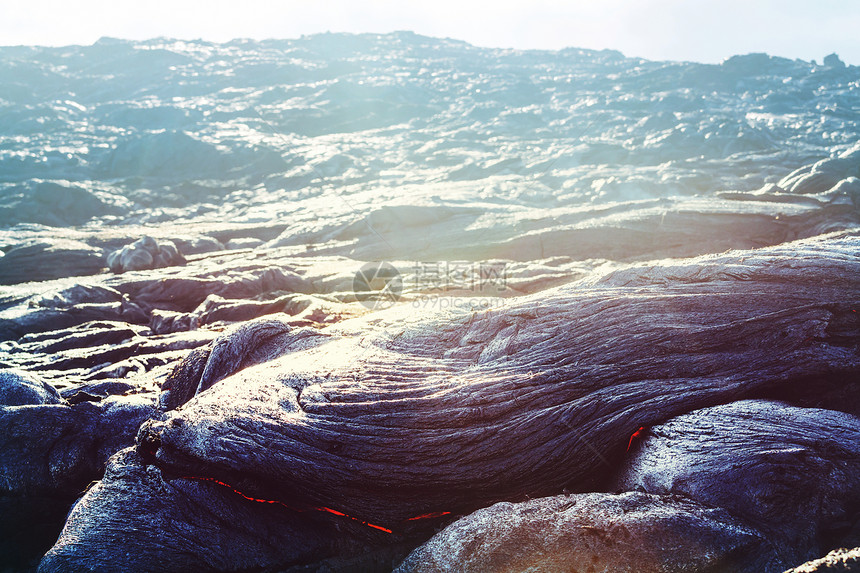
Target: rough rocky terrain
<point>622,331</point>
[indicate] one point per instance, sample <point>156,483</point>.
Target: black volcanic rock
<point>279,168</point>
<point>45,260</point>
<point>145,253</point>
<point>153,133</point>
<point>57,204</point>
<point>630,532</point>
<point>18,388</point>
<point>49,453</point>
<point>752,486</point>
<point>201,525</point>
<point>245,345</point>
<point>792,472</point>
<point>426,417</point>
<point>597,361</point>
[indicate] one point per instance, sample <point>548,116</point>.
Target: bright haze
<point>701,30</point>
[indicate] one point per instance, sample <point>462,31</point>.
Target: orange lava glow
<point>637,434</point>
<point>311,508</point>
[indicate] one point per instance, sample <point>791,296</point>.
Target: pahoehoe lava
<point>625,334</point>
<point>430,414</point>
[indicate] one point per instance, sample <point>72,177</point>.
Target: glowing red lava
<point>637,434</point>
<point>314,508</point>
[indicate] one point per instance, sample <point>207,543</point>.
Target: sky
<point>695,30</point>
